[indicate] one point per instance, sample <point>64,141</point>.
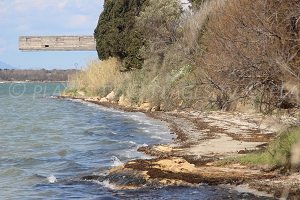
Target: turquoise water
<point>47,143</point>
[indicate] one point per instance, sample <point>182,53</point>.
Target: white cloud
<point>4,7</point>
<point>23,6</point>
<point>2,42</point>
<point>2,50</point>
<point>2,45</point>
<point>84,6</point>
<point>77,21</point>
<point>38,5</point>
<point>23,28</point>
<point>32,6</point>
<point>41,5</point>
<point>62,4</point>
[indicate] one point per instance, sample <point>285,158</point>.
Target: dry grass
<point>194,24</point>
<point>99,78</point>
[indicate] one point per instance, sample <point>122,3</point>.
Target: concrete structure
<point>57,43</point>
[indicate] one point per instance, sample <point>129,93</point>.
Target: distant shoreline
<point>42,75</point>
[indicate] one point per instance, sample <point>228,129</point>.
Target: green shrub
<point>276,155</point>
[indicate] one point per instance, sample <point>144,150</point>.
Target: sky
<point>46,17</point>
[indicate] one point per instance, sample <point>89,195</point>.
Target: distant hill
<point>5,66</point>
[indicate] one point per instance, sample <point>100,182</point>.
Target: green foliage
<point>70,92</point>
<point>159,22</point>
<point>116,33</point>
<point>197,3</point>
<point>277,154</point>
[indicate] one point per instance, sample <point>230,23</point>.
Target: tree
<point>116,33</point>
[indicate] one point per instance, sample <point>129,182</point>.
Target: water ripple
<point>46,143</point>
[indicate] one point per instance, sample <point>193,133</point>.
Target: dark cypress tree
<point>116,34</point>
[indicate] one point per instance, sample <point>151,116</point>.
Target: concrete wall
<point>57,43</point>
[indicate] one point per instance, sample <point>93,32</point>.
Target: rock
<point>111,96</point>
<point>123,101</point>
<point>145,106</point>
<point>81,93</point>
<point>155,108</point>
<point>103,100</point>
<point>92,99</point>
<point>162,107</point>
<point>89,99</point>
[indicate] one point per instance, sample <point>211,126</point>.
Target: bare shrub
<point>252,49</point>
<point>194,24</point>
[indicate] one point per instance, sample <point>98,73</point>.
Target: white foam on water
<point>132,142</point>
<point>133,154</point>
<point>156,137</point>
<point>126,142</point>
<point>52,179</point>
<point>90,104</point>
<point>142,145</point>
<point>141,118</point>
<point>106,184</point>
<point>102,173</point>
<point>116,161</point>
<point>246,189</point>
<point>153,126</point>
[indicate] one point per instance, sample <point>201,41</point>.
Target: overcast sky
<point>46,17</point>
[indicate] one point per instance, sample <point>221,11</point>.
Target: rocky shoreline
<point>203,139</point>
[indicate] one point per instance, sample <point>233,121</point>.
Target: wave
<point>106,184</point>
<point>116,161</point>
<point>152,125</point>
<point>52,179</point>
<point>132,153</point>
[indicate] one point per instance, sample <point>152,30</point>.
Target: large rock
<point>146,106</point>
<point>103,100</point>
<point>123,101</point>
<point>155,108</point>
<point>111,96</point>
<point>81,93</point>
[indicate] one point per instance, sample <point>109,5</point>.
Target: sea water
<point>47,143</point>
